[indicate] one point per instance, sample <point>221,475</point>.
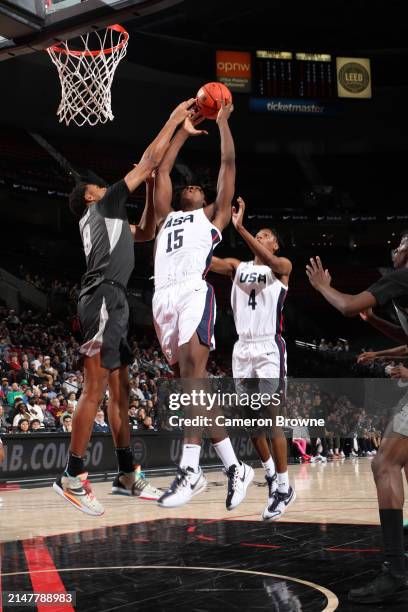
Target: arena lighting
<point>314,57</point>
<point>309,345</point>
<point>283,55</point>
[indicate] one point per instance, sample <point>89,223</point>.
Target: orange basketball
<point>209,99</point>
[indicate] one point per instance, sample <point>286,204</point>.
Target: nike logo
<point>287,501</point>
<point>242,479</point>
<point>193,486</point>
<point>267,354</point>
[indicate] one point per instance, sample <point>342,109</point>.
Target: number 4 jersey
<point>257,299</point>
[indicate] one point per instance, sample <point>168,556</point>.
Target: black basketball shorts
<point>104,318</point>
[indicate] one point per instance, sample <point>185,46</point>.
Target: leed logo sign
<point>353,78</point>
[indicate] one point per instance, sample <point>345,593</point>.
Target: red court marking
<point>362,550</point>
<point>205,538</point>
<point>38,558</point>
<point>259,545</point>
<point>4,486</point>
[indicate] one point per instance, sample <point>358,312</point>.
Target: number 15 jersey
<point>257,299</point>
<point>184,247</point>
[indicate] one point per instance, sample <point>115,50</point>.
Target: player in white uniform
<point>258,293</point>
<point>184,303</point>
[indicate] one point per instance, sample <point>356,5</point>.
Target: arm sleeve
<point>113,203</point>
<point>391,286</point>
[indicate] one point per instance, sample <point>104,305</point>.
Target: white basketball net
<point>86,75</point>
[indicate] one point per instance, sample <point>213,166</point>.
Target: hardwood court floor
<point>200,557</point>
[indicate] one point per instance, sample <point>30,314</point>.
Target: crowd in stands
<point>41,377</point>
<point>349,430</point>
<point>41,381</point>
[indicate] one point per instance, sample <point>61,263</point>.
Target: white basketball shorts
<point>179,311</point>
<point>260,358</point>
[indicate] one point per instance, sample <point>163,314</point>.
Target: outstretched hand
<point>317,275</point>
<point>183,110</point>
<point>367,357</point>
<point>238,211</point>
<point>190,124</point>
<point>225,112</point>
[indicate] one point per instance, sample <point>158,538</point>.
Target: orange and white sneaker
<point>78,491</point>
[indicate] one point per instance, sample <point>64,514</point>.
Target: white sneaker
<point>342,455</point>
<point>239,478</point>
<point>315,459</point>
<point>78,492</point>
<point>323,459</point>
<point>279,505</point>
<point>186,484</point>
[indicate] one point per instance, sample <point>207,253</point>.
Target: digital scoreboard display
<point>283,74</point>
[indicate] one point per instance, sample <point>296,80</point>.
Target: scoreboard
<point>283,74</point>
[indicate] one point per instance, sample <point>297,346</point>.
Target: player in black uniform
<point>392,456</point>
<point>104,313</point>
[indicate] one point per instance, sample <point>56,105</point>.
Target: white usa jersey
<point>184,247</point>
<point>257,299</point>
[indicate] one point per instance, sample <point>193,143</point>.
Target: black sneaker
<point>385,585</point>
<point>280,503</point>
<point>270,480</point>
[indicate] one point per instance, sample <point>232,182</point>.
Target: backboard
<point>33,25</point>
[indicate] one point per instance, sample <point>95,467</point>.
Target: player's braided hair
<point>77,203</point>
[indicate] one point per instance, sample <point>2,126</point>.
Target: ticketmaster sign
<point>283,106</point>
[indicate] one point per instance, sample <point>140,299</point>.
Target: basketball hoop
<point>86,75</point>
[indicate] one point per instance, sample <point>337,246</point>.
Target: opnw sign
<point>234,69</point>
<point>353,77</point>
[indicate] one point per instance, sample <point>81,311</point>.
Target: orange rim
<point>116,28</point>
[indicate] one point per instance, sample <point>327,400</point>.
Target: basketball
<point>209,99</point>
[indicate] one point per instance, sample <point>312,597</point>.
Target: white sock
<point>226,453</point>
<point>283,482</point>
<point>269,467</point>
<point>191,456</point>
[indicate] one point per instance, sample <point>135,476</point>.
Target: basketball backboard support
<point>33,25</point>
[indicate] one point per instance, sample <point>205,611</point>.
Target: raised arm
<point>227,266</point>
<point>348,305</point>
<point>279,265</point>
<point>226,176</point>
<point>146,228</point>
<point>154,153</point>
<point>395,332</point>
<point>398,351</point>
<point>164,189</point>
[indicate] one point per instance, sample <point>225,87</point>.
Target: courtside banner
<point>353,77</point>
<point>285,106</point>
<point>41,455</point>
<point>234,69</point>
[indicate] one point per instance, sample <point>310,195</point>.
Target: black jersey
<point>393,288</point>
<point>107,240</point>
